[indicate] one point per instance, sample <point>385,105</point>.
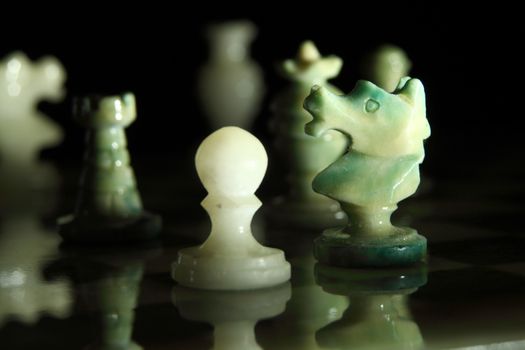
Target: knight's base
<point>142,228</point>
<point>313,215</point>
<point>335,248</point>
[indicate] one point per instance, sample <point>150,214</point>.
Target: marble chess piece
<point>109,207</point>
<point>25,131</point>
<point>302,155</point>
<point>231,164</point>
<point>380,169</point>
<point>386,65</point>
<point>231,85</point>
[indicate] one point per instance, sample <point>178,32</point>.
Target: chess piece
<point>109,207</point>
<point>231,84</point>
<point>380,169</point>
<point>231,164</point>
<point>24,131</point>
<point>378,316</point>
<point>305,156</point>
<point>233,314</point>
<point>386,65</point>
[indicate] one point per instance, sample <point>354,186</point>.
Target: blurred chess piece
<point>233,314</point>
<point>24,131</point>
<point>109,207</point>
<point>385,66</point>
<point>378,316</point>
<point>231,85</point>
<point>309,310</point>
<point>231,163</point>
<point>305,156</point>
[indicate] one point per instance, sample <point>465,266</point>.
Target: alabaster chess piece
<point>231,164</point>
<point>109,207</point>
<point>302,155</point>
<point>233,314</point>
<point>380,169</point>
<point>378,317</point>
<point>386,65</point>
<point>231,85</point>
<point>24,130</point>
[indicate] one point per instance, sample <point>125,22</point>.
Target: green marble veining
<point>380,169</point>
<point>109,206</point>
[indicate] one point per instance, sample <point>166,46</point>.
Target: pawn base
<point>405,247</point>
<point>313,215</point>
<point>147,226</point>
<point>263,268</point>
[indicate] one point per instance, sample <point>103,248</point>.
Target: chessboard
<point>469,294</point>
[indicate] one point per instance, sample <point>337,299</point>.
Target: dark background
<point>469,60</point>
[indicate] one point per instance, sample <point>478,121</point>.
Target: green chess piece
<point>386,65</point>
<point>380,169</point>
<point>109,208</point>
<point>305,156</point>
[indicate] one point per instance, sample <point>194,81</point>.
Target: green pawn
<point>305,156</point>
<point>109,208</point>
<point>380,169</point>
<point>386,65</point>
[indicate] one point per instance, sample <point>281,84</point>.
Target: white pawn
<point>231,164</point>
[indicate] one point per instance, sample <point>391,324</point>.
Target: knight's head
<point>379,123</point>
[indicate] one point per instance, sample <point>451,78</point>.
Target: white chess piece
<point>231,84</point>
<point>24,131</point>
<point>231,164</point>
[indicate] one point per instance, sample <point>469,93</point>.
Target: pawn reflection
<point>233,314</point>
<point>378,316</point>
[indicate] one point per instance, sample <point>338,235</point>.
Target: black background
<point>469,60</point>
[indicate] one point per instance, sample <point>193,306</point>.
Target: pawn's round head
<point>231,162</point>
